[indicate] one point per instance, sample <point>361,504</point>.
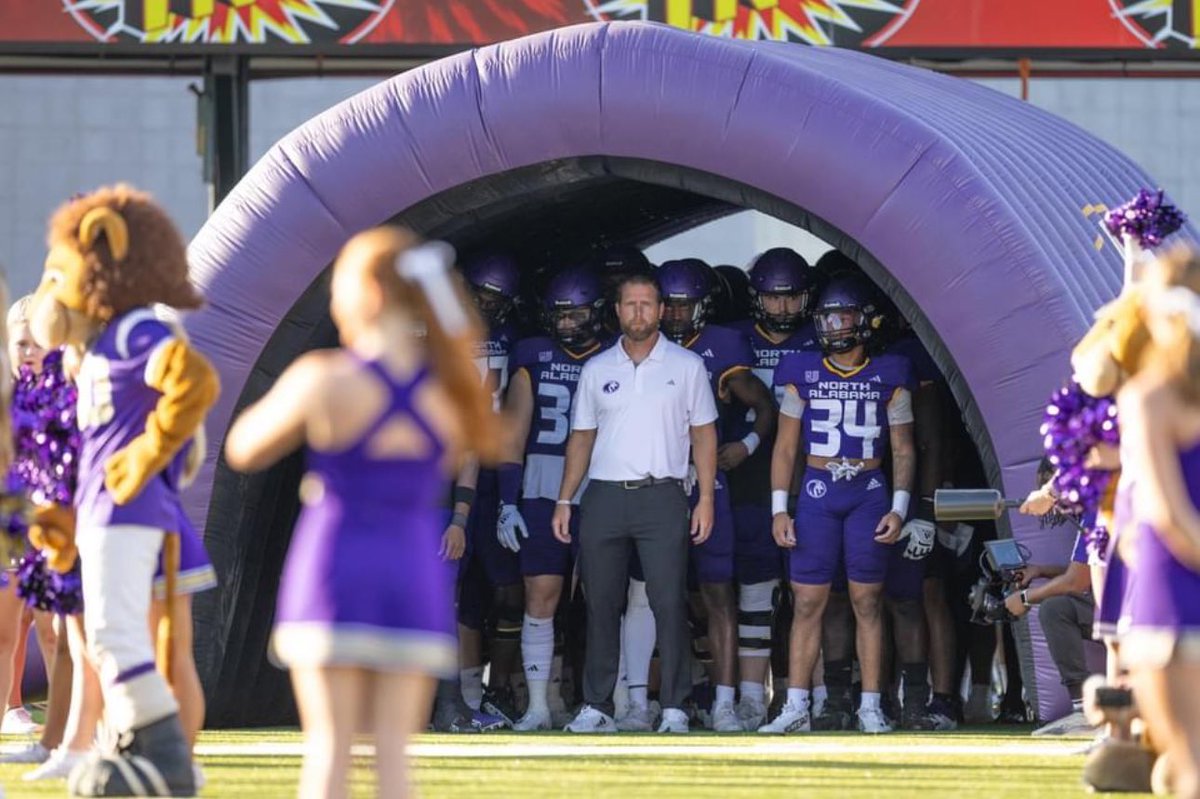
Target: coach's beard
<point>640,333</point>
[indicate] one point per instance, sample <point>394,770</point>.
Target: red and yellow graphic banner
<point>332,25</point>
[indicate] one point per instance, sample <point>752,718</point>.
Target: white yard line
<point>795,747</point>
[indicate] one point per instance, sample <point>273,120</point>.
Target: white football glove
<point>958,539</point>
<point>508,525</point>
<point>920,535</point>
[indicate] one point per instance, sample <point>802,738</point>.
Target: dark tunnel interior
<point>548,215</point>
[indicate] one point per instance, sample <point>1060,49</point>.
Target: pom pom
<point>1146,218</point>
<point>1076,422</point>
<point>47,437</point>
<point>45,589</point>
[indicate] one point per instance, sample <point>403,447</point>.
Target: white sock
<point>798,697</point>
<point>753,690</point>
<point>537,651</point>
<point>640,636</point>
<point>820,694</point>
<point>870,701</point>
<point>472,686</point>
<point>725,693</point>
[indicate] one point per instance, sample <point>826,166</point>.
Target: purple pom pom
<point>1097,544</point>
<point>1145,218</point>
<point>1074,424</point>
<point>44,589</point>
<point>47,438</point>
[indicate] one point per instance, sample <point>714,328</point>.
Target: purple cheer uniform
<point>845,417</point>
<point>1160,616</point>
<point>363,584</point>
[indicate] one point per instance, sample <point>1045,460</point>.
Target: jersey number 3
<point>555,404</point>
<point>841,419</point>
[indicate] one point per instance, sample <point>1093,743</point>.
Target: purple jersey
<point>766,357</point>
<point>114,403</point>
<point>925,370</point>
<point>725,352</point>
<point>553,376</point>
<point>492,360</point>
<point>845,411</point>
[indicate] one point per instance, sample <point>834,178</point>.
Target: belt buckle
<point>844,469</point>
<point>630,485</point>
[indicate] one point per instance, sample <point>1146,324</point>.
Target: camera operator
<point>1066,609</point>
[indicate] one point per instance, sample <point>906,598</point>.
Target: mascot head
<point>1112,348</point>
<point>109,252</point>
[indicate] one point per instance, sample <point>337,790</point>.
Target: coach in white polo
<point>639,407</point>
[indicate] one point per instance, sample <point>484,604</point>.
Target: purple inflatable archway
<point>974,204</point>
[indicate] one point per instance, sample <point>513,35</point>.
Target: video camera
<point>1001,561</point>
<point>1001,564</point>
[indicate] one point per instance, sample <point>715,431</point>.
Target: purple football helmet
<point>495,281</point>
<point>845,315</point>
<point>686,286</point>
<point>571,307</point>
<point>781,274</point>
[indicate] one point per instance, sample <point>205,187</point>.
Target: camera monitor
<point>1004,554</point>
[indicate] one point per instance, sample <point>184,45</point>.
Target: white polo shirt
<point>642,414</point>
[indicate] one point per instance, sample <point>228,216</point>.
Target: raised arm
<point>277,424</point>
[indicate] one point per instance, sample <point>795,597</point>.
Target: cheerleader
<point>1159,626</point>
<point>365,616</point>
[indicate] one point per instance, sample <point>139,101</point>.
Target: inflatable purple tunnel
<point>975,211</point>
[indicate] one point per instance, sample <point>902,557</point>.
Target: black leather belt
<point>645,482</point>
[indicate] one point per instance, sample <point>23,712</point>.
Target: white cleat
<point>872,721</point>
<point>751,713</point>
<point>674,720</point>
<point>58,767</point>
<point>725,718</point>
<point>532,721</point>
<point>791,718</point>
<point>591,720</point>
<point>637,719</point>
<point>1071,724</point>
<point>33,753</point>
<point>17,721</point>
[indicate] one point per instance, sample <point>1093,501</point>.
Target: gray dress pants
<point>655,520</point>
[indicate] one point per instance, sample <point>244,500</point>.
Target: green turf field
<point>1005,763</point>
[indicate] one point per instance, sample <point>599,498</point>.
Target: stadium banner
<point>1150,28</point>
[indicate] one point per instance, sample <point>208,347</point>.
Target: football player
<point>849,407</point>
<point>781,289</point>
<point>545,372</point>
<point>494,280</point>
<point>686,286</point>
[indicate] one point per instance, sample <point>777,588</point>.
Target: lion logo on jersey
<point>816,488</point>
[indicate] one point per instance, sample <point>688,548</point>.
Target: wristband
<point>779,502</point>
<point>900,503</point>
<point>563,502</point>
<point>459,520</point>
<point>751,442</point>
<point>464,494</point>
<point>509,477</point>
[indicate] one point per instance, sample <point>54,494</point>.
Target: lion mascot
<point>143,394</point>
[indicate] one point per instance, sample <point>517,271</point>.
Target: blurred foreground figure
<point>365,617</point>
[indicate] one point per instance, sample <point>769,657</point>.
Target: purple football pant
<point>542,553</point>
<point>500,566</point>
<point>712,561</point>
<point>757,558</point>
<point>835,522</point>
<point>905,577</point>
